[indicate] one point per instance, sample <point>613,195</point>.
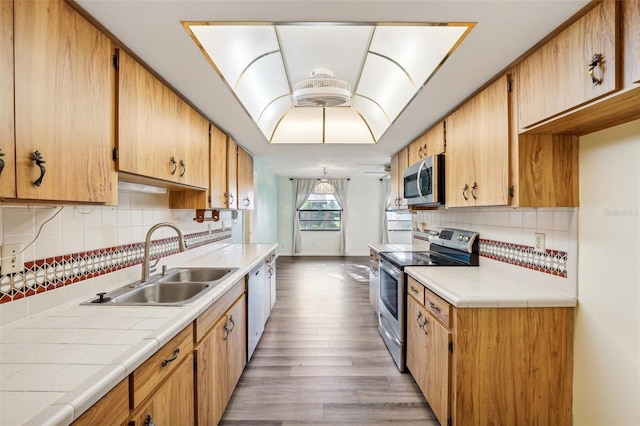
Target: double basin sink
<point>177,287</point>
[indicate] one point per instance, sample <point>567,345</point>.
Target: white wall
<point>362,218</point>
<point>607,328</point>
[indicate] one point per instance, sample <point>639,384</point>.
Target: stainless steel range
<point>449,247</point>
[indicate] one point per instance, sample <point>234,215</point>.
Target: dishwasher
<point>255,321</point>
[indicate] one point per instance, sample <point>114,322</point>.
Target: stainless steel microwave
<point>424,182</point>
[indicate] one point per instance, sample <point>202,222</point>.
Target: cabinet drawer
<point>154,370</point>
<point>113,408</point>
<point>415,289</point>
<point>440,308</point>
<point>207,319</point>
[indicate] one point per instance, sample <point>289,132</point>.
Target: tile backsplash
<point>91,247</point>
<point>508,237</point>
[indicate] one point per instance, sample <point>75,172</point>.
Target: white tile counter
<point>416,246</point>
<point>54,366</point>
<point>478,287</point>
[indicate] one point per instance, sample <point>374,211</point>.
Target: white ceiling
<point>505,29</point>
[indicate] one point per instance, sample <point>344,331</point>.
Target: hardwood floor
<point>321,360</point>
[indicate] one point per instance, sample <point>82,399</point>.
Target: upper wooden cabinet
<point>159,135</point>
<point>246,199</point>
<point>218,168</point>
<point>430,143</point>
<point>631,40</point>
<point>557,76</point>
<point>64,102</point>
<point>399,162</point>
<point>7,130</point>
<point>477,172</point>
<point>232,174</point>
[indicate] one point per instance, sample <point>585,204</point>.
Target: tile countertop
<point>56,365</point>
<point>416,246</point>
<point>471,287</point>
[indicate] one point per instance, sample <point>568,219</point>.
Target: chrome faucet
<point>147,242</point>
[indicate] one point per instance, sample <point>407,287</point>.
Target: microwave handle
<point>418,179</point>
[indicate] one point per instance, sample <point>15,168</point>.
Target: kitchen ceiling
<point>504,30</point>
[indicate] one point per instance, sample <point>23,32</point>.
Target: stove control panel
<point>459,239</point>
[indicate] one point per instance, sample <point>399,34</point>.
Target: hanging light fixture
<point>324,187</point>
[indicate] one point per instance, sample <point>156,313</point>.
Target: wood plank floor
<point>321,359</point>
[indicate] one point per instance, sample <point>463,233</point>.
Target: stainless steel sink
<point>177,287</point>
<point>196,275</point>
<point>158,293</point>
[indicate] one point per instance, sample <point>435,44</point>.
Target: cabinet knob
<point>174,165</point>
<point>37,157</point>
<point>149,421</point>
<point>596,61</point>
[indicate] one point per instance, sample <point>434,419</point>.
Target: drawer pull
<point>434,307</point>
<point>413,289</point>
<point>173,358</point>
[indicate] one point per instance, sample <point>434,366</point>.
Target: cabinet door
<point>555,78</point>
<point>393,194</point>
<point>7,135</point>
<point>172,403</point>
<point>218,168</point>
<point>232,174</point>
<point>195,149</point>
<point>211,375</point>
<point>459,158</point>
<point>64,103</point>
<point>245,180</point>
<point>477,172</point>
<point>437,363</point>
<point>631,36</point>
<point>142,142</point>
<point>430,143</point>
<point>490,152</point>
<point>416,342</point>
<point>403,163</point>
<point>236,344</point>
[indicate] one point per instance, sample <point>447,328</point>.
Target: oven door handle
<point>422,164</point>
<point>389,269</point>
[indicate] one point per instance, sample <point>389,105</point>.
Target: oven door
<point>419,183</point>
<point>391,316</point>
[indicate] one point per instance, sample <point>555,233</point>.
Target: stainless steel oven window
<point>389,279</point>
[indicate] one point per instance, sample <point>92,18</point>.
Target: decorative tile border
<point>54,272</point>
<point>552,262</point>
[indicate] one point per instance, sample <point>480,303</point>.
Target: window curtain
<point>385,205</point>
<point>302,189</point>
<point>340,186</point>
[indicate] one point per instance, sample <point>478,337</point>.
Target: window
<point>321,211</point>
<point>399,221</point>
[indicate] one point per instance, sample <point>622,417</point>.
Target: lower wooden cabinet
<point>172,401</point>
<point>220,359</point>
<point>502,366</point>
<point>113,408</point>
<point>428,357</point>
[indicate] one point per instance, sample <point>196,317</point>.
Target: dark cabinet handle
<point>149,421</point>
<point>424,149</point>
<point>1,162</point>
<point>184,168</point>
<point>228,330</point>
<point>434,307</point>
<point>596,61</point>
<point>473,190</point>
<point>420,152</point>
<point>174,164</point>
<point>173,358</point>
<point>424,326</point>
<point>230,198</point>
<point>464,191</point>
<point>37,157</point>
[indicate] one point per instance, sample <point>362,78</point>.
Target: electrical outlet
<point>12,262</point>
<point>539,244</point>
